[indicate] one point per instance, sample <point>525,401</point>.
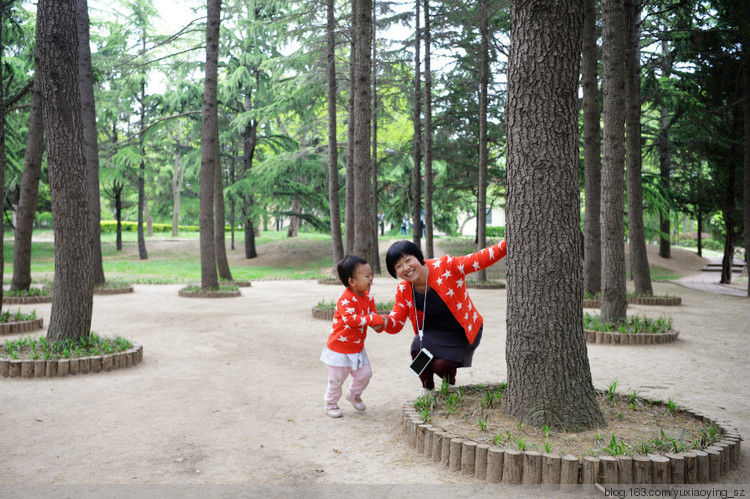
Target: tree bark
<point>91,143</point>
<point>665,159</point>
<point>549,378</point>
<point>293,230</point>
<point>484,77</point>
<point>250,142</point>
<point>746,127</point>
<point>592,162</point>
<point>614,294</point>
<point>416,179</point>
<point>72,300</point>
<point>209,149</point>
<point>2,162</point>
<point>178,177</point>
<point>117,187</point>
<point>363,234</point>
<point>639,267</point>
<point>374,264</point>
<point>349,209</point>
<point>333,151</point>
<point>222,262</point>
<point>32,171</point>
<point>428,234</point>
<point>142,252</point>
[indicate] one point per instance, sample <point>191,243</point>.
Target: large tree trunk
<point>374,264</point>
<point>484,78</point>
<point>592,161</point>
<point>293,230</point>
<point>32,170</point>
<point>416,178</point>
<point>72,300</point>
<point>222,262</point>
<point>729,213</point>
<point>363,234</point>
<point>209,149</point>
<point>2,160</point>
<point>349,209</point>
<point>428,234</point>
<point>91,143</point>
<point>665,159</point>
<point>142,252</point>
<point>638,257</point>
<point>549,378</point>
<point>614,294</point>
<point>333,152</point>
<point>746,128</point>
<point>250,141</point>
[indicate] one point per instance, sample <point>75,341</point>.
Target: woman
<point>433,295</point>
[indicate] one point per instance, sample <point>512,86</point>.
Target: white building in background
<point>467,224</point>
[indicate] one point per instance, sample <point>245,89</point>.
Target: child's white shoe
<point>356,402</point>
<point>333,412</point>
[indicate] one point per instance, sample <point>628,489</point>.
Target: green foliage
<point>17,316</point>
<point>35,348</point>
<point>633,324</point>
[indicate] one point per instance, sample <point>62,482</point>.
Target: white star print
<point>345,302</point>
<point>476,266</point>
<point>363,322</point>
<point>342,339</point>
<point>447,274</point>
<point>492,253</point>
<point>460,306</point>
<point>450,292</point>
<point>461,268</point>
<point>436,264</point>
<point>350,310</point>
<point>401,287</point>
<point>460,283</point>
<point>470,327</point>
<point>440,280</point>
<point>466,317</point>
<point>475,317</point>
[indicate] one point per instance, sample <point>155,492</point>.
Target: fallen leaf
<point>337,451</point>
<point>179,459</point>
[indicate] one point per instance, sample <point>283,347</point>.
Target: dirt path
<point>230,392</point>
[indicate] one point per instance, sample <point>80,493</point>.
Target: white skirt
<point>336,359</point>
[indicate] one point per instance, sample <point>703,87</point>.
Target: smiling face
<point>361,280</point>
<point>409,269</point>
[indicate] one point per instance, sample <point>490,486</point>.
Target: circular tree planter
<point>12,368</point>
<point>239,284</point>
<point>329,280</point>
<point>209,294</point>
<point>26,300</point>
<point>98,290</point>
<point>615,338</point>
<point>494,464</point>
<point>485,285</point>
<point>666,301</point>
<point>21,326</point>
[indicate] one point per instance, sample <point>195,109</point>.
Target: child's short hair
<point>398,250</point>
<point>347,266</point>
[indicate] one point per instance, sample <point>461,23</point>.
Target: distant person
<point>344,352</point>
<point>433,295</point>
<point>404,225</point>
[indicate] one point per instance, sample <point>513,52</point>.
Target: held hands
<point>380,327</point>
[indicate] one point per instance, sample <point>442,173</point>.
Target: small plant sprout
<point>522,446</point>
<point>520,425</point>
<point>545,430</point>
<point>444,386</point>
<point>616,449</point>
<point>671,406</point>
<point>598,438</point>
<point>482,423</point>
<point>489,397</point>
<point>547,447</point>
<point>611,392</point>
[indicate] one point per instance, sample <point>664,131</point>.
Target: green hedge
<point>111,226</point>
<point>495,231</point>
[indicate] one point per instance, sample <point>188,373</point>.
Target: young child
<point>344,352</point>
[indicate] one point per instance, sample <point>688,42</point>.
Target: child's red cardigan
<point>350,320</point>
<point>447,277</point>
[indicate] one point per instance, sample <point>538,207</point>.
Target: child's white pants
<point>336,377</point>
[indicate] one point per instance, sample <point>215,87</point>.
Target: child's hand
<point>377,328</point>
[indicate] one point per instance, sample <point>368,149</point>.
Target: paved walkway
<point>708,281</point>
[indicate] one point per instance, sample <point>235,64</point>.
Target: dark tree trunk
<point>746,128</point>
<point>349,209</point>
<point>638,257</point>
<point>293,230</point>
<point>700,232</point>
<point>2,160</point>
<point>416,179</point>
<point>549,378</point>
<point>592,161</point>
<point>222,263</point>
<point>117,189</point>
<point>363,234</point>
<point>665,160</point>
<point>72,300</point>
<point>428,229</point>
<point>209,149</point>
<point>728,212</point>
<point>333,151</point>
<point>614,294</point>
<point>178,176</point>
<point>484,79</point>
<point>91,143</point>
<point>142,252</point>
<point>32,171</point>
<point>250,142</point>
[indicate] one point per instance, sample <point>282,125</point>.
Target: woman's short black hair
<point>398,250</point>
<point>347,266</point>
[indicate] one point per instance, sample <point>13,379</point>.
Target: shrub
<point>495,232</point>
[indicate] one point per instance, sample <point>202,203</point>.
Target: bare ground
<point>231,391</point>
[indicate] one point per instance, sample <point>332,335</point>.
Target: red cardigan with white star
<point>447,277</point>
<point>350,320</point>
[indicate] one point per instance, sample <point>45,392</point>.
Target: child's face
<point>362,279</point>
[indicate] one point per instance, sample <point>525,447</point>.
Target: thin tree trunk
<point>178,176</point>
<point>549,378</point>
<point>746,128</point>
<point>484,78</point>
<point>639,267</point>
<point>428,174</point>
<point>147,217</point>
<point>363,234</point>
<point>142,252</point>
<point>117,190</point>
<point>614,295</point>
<point>293,230</point>
<point>333,151</point>
<point>209,149</point>
<point>32,171</point>
<point>72,301</point>
<point>91,144</point>
<point>416,179</point>
<point>250,142</point>
<point>592,259</point>
<point>728,212</point>
<point>375,263</point>
<point>665,159</point>
<point>349,209</point>
<point>222,262</point>
<point>2,159</point>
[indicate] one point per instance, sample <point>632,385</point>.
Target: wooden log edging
<point>329,280</point>
<point>21,326</point>
<point>26,300</point>
<point>209,294</point>
<point>327,313</point>
<point>616,338</point>
<point>27,368</point>
<point>113,291</point>
<point>493,464</point>
<point>665,301</point>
